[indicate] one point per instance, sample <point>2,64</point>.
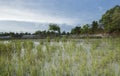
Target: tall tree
<point>94,27</point>
<point>76,30</point>
<point>54,27</point>
<point>111,20</point>
<point>86,29</point>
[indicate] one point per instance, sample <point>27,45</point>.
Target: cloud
<point>7,13</point>
<point>54,11</point>
<point>43,11</point>
<point>33,11</point>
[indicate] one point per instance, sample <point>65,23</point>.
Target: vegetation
<point>64,56</point>
<point>86,57</point>
<point>54,27</point>
<point>86,29</point>
<point>111,20</point>
<point>109,24</point>
<point>14,35</point>
<point>94,27</point>
<point>76,30</point>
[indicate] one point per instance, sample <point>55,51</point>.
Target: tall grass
<point>87,57</point>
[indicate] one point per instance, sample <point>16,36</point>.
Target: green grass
<point>85,57</point>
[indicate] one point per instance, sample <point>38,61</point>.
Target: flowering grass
<point>84,57</point>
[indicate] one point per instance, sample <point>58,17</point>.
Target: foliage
<point>109,23</point>
<point>14,35</point>
<point>86,29</point>
<point>54,27</point>
<point>111,20</point>
<point>63,33</point>
<point>76,30</point>
<point>94,27</point>
<point>85,57</point>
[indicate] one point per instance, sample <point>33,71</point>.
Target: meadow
<point>65,57</point>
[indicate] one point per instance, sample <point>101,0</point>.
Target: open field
<point>84,57</point>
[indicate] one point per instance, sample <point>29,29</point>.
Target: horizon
<point>66,12</point>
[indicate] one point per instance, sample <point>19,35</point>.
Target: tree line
<point>109,23</point>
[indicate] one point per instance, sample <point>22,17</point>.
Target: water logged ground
<point>82,57</point>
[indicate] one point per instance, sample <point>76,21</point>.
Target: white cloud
<point>7,13</point>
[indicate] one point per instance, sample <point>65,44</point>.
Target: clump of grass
<point>48,39</point>
<point>57,39</point>
<point>64,39</point>
<point>6,49</point>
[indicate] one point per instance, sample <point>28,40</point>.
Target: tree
<point>38,33</point>
<point>76,30</point>
<point>94,27</point>
<point>111,20</point>
<point>63,33</point>
<point>86,29</point>
<point>54,27</point>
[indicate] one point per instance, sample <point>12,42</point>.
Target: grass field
<point>84,57</point>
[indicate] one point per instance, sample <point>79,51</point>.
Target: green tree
<point>86,29</point>
<point>63,33</point>
<point>94,27</point>
<point>76,30</point>
<point>38,33</point>
<point>54,27</point>
<point>111,20</point>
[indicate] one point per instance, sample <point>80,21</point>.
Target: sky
<point>71,12</point>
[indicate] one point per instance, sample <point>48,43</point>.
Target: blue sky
<point>71,12</point>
